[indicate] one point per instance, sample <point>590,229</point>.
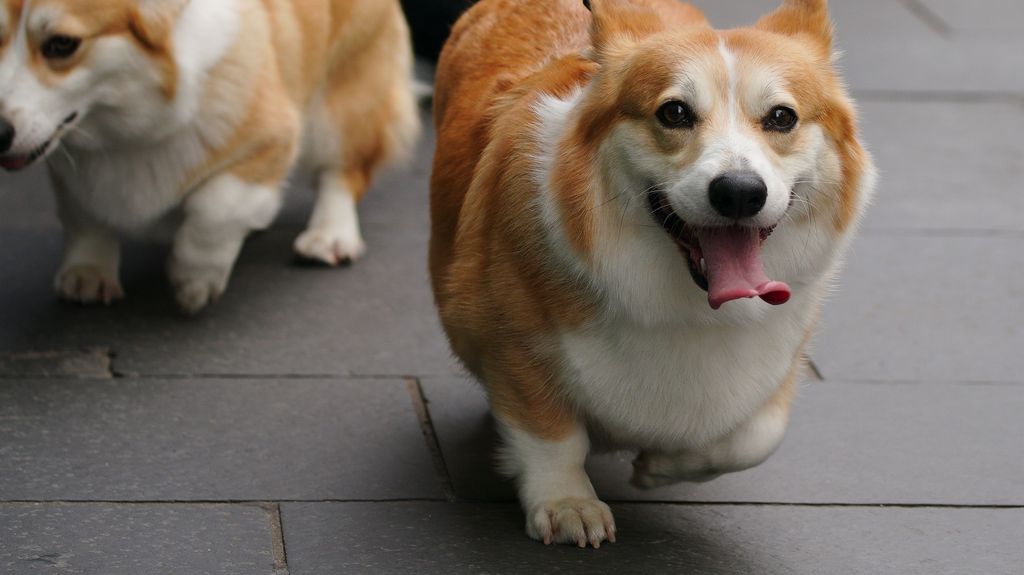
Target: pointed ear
<point>620,21</point>
<point>154,20</point>
<point>805,18</point>
<point>152,24</point>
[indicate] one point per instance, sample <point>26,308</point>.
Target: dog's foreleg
<point>217,218</point>
<point>88,273</point>
<point>333,236</point>
<point>554,489</point>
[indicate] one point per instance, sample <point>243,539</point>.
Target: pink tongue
<point>733,257</point>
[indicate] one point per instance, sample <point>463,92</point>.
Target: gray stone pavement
<point>312,422</point>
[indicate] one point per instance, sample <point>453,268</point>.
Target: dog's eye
<point>780,119</point>
<point>60,47</point>
<point>676,114</point>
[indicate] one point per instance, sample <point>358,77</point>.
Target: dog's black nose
<point>738,194</point>
<point>6,135</point>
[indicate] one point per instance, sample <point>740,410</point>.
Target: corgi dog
<point>635,219</point>
<point>185,117</point>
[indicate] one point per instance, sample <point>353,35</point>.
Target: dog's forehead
<point>762,66</point>
<point>768,65</point>
<point>671,63</point>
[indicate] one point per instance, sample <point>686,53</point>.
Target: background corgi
<point>188,115</point>
<point>635,220</point>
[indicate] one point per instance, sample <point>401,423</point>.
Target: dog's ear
<point>153,20</point>
<point>152,25</point>
<point>807,19</point>
<point>618,22</point>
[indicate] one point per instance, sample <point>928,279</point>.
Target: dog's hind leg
<point>333,236</point>
<point>747,446</point>
<point>364,118</point>
<point>218,217</point>
<point>92,256</point>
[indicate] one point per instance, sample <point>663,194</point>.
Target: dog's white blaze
<point>733,83</point>
<point>744,152</point>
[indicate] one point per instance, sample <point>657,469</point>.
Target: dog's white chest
<point>129,190</point>
<point>677,387</point>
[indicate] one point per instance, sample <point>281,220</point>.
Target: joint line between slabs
<point>929,18</point>
<point>419,404</point>
<point>277,544</point>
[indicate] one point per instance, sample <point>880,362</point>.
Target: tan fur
<point>342,47</point>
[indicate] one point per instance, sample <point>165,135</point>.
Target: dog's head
<point>717,140</point>
<point>61,60</point>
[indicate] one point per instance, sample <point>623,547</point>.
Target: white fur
<point>747,446</point>
<point>218,217</point>
<point>552,115</point>
<point>554,489</point>
<point>333,235</point>
<point>92,256</point>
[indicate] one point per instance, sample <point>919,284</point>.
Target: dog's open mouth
<point>14,163</point>
<point>724,261</point>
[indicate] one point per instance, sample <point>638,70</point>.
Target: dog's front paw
<point>196,287</point>
<point>88,284</point>
<point>332,246</point>
<point>571,520</point>
<point>652,470</point>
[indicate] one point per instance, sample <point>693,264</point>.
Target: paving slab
<point>211,440</point>
<point>442,538</point>
<point>26,200</point>
<point>81,363</point>
<point>979,17</point>
<point>135,539</point>
<point>848,443</point>
<point>941,175</point>
<point>376,318</point>
<point>921,307</point>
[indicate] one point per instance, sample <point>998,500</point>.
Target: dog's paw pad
<point>194,296</point>
<point>330,246</point>
<point>88,284</point>
<point>574,521</point>
<point>196,287</point>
